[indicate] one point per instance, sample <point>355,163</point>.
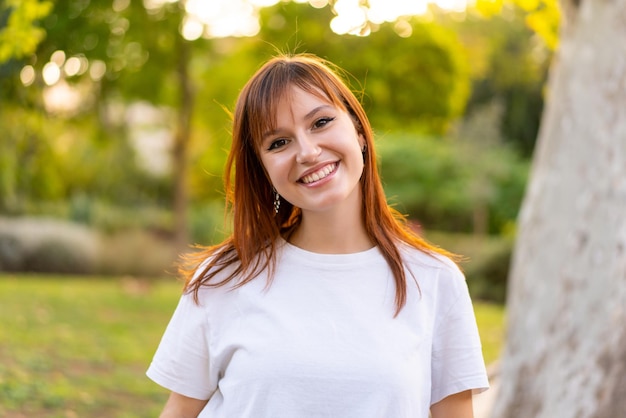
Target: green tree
<point>452,184</point>
<point>129,54</point>
<point>432,100</point>
<point>419,80</point>
<point>509,68</point>
<point>19,32</point>
<point>125,53</point>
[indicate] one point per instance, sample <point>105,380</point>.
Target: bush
<point>137,252</point>
<point>11,252</point>
<point>453,184</point>
<point>207,223</point>
<point>487,273</point>
<point>55,246</point>
<point>486,262</point>
<point>46,245</point>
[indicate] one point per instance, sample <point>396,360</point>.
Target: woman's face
<point>314,157</point>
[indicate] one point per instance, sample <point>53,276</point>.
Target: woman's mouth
<point>319,174</point>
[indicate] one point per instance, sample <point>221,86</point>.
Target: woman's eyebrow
<point>307,116</point>
<point>317,109</point>
<point>270,133</point>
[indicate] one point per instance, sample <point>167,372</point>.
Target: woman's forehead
<point>284,99</point>
<point>295,95</point>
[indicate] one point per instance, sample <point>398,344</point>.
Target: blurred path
<point>483,403</point>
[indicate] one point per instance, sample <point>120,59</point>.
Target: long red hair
<point>251,248</point>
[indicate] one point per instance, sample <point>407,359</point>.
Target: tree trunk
<point>181,145</point>
<point>566,346</point>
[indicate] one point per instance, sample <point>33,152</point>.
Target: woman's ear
<point>362,142</point>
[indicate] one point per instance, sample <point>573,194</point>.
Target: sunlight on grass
<point>77,347</point>
<point>490,319</point>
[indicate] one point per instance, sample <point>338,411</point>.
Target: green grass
<point>79,347</point>
<point>490,319</point>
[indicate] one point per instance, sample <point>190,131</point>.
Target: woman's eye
<point>321,122</point>
<point>277,144</point>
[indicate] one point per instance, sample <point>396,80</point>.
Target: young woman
<point>322,303</point>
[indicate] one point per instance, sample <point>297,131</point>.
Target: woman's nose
<point>308,150</point>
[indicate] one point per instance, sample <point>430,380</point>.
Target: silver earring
<point>276,202</point>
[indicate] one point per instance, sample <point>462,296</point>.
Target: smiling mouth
<point>318,175</point>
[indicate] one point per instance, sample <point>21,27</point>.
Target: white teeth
<point>319,175</point>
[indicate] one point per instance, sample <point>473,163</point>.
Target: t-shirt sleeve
<point>457,360</point>
<point>181,362</point>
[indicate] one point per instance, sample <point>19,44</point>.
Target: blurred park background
<point>114,117</point>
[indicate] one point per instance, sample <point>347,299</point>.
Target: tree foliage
<point>451,184</point>
<point>414,75</point>
<point>510,68</point>
<point>542,16</point>
<point>20,33</point>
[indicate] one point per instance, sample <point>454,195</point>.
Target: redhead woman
<point>322,302</point>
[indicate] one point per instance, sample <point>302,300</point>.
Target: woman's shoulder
<point>433,270</point>
<point>220,267</point>
<point>207,261</point>
<point>413,256</point>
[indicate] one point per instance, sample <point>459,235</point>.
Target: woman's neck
<point>331,234</point>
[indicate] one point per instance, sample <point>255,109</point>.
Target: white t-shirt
<point>322,340</point>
